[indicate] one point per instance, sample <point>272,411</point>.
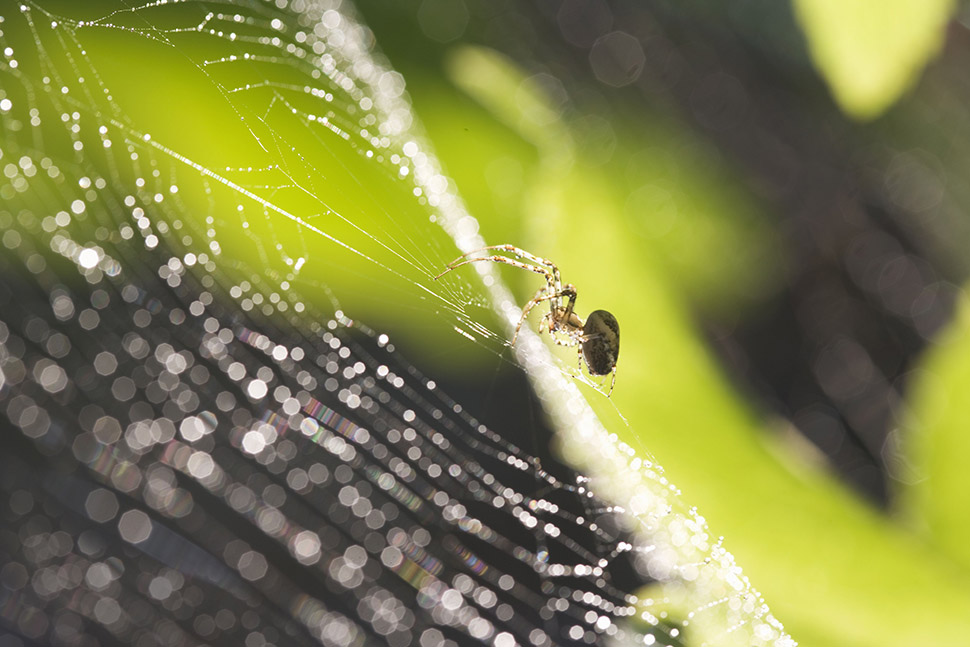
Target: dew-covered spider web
<point>202,441</point>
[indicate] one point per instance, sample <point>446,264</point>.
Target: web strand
<point>227,455</point>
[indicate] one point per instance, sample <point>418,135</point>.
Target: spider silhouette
<point>597,338</point>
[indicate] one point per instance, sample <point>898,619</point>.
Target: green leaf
<point>871,52</point>
<point>833,569</point>
<point>937,442</point>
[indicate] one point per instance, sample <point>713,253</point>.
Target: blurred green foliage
<point>937,444</point>
<point>651,231</point>
<point>673,193</point>
<point>871,52</point>
<point>798,533</point>
<point>834,569</point>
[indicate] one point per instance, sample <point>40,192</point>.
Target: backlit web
<point>201,445</point>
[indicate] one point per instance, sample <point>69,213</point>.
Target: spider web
<point>204,445</point>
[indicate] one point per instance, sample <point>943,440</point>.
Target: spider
<point>598,338</point>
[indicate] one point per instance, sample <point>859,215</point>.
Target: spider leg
<point>538,260</point>
<point>458,262</point>
<point>552,272</point>
<point>552,280</point>
<point>571,341</point>
<point>544,295</point>
<point>515,251</point>
<point>568,291</point>
<point>540,296</point>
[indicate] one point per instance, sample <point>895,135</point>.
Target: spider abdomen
<point>601,342</point>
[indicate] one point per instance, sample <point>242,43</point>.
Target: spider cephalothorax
<point>598,338</point>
